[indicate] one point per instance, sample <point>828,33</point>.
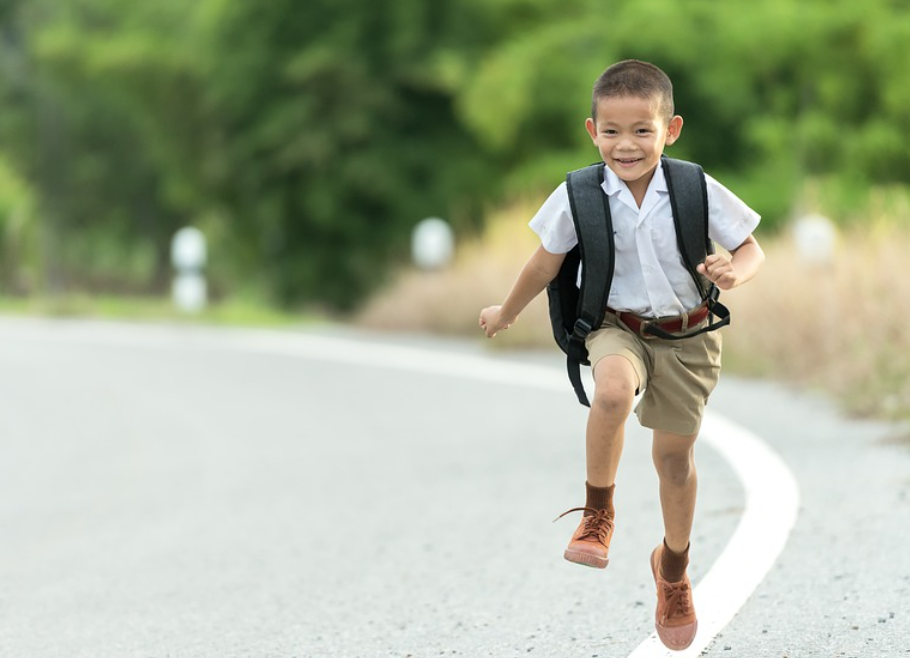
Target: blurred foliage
<point>18,240</point>
<point>772,93</point>
<point>306,139</point>
<point>337,134</point>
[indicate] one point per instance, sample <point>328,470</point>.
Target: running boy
<point>632,120</point>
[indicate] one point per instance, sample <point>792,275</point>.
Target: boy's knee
<point>614,397</point>
<point>675,468</point>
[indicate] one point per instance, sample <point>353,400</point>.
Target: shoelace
<point>597,526</point>
<point>678,602</point>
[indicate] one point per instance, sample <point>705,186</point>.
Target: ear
<point>673,129</point>
<point>591,128</point>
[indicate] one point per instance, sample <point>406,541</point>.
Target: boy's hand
<point>719,270</point>
<point>492,322</point>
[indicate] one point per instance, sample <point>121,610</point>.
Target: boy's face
<point>630,133</point>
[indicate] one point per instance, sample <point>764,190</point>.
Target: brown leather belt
<point>671,325</point>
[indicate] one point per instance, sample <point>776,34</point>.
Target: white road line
<point>770,511</point>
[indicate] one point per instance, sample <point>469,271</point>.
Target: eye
<point>643,131</point>
<point>608,131</point>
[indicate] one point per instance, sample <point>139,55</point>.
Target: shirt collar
<point>614,186</point>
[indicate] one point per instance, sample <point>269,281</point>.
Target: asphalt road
<point>188,492</point>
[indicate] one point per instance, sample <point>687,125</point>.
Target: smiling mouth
<point>628,161</point>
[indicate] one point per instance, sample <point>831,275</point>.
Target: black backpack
<point>575,312</point>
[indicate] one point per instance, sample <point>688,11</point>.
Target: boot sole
<point>586,559</point>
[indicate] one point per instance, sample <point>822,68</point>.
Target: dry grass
<point>449,301</point>
<point>843,328</point>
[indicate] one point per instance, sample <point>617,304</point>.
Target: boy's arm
<point>743,264</point>
<point>534,277</point>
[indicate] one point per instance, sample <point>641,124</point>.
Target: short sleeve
<point>553,223</point>
<point>730,220</point>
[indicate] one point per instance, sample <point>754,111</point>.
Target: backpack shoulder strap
<point>594,227</point>
<point>689,201</point>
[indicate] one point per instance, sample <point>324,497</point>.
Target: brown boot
<point>591,542</point>
<point>674,619</point>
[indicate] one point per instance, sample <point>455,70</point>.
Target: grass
<point>449,301</point>
<point>153,309</point>
<point>841,328</point>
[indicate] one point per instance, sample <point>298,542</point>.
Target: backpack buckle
<point>581,329</point>
<point>713,294</point>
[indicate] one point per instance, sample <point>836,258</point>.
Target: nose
<point>625,143</point>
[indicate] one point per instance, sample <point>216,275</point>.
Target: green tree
<point>339,134</point>
<point>306,139</point>
<point>771,92</point>
<point>103,93</point>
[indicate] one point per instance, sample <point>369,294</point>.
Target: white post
<point>816,240</point>
<point>188,256</point>
<point>432,244</point>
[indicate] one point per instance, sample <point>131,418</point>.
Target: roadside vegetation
<point>305,139</point>
<point>234,312</point>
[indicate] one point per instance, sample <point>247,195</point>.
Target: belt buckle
<point>644,323</point>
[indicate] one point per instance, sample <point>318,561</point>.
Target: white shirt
<point>649,277</point>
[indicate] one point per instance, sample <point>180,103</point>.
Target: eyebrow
<point>643,122</point>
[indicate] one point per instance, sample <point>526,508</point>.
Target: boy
<point>632,120</point>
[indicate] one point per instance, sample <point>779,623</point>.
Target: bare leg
<point>615,382</point>
<point>675,618</point>
<point>674,458</point>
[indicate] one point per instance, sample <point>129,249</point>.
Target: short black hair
<point>632,77</point>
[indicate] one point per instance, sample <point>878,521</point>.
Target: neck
<point>639,188</point>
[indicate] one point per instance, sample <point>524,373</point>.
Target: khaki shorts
<point>676,377</point>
